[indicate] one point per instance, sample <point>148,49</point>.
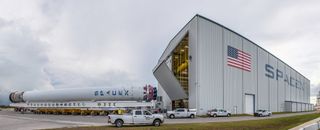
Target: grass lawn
<point>282,123</point>
<point>5,107</point>
<point>274,113</point>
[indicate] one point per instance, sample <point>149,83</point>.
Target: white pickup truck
<point>260,113</point>
<point>136,117</point>
<point>182,112</point>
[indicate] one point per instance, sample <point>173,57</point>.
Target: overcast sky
<point>77,43</point>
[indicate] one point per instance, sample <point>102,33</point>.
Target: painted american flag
<point>239,59</point>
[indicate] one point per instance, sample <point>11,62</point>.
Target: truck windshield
<point>147,113</point>
<point>180,110</point>
<point>129,112</point>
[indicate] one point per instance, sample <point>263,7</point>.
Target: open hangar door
<point>249,104</point>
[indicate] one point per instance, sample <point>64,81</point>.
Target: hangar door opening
<point>180,63</point>
<point>249,104</point>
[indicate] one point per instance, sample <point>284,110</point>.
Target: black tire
<point>191,116</point>
<point>118,123</point>
<point>214,115</point>
<point>157,122</point>
<point>260,115</point>
<point>171,116</point>
<point>228,115</point>
<point>269,114</point>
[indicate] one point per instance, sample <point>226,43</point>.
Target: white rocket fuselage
<point>83,94</point>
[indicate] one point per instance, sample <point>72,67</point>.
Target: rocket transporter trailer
<point>84,101</point>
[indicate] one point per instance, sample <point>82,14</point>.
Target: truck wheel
<point>229,115</point>
<point>171,116</point>
<point>214,115</point>
<point>191,116</point>
<point>119,123</point>
<point>157,122</point>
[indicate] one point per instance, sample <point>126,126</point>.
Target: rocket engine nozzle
<point>16,97</point>
<point>150,93</point>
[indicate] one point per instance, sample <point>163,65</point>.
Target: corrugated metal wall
<point>192,68</point>
<point>263,81</point>
<point>273,86</point>
<point>281,89</point>
<point>287,85</point>
<point>305,90</point>
<point>210,53</point>
<point>270,93</point>
<point>298,88</point>
<point>233,89</point>
<point>214,84</point>
<point>250,87</point>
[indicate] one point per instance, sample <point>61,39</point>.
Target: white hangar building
<point>207,65</point>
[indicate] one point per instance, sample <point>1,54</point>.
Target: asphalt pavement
<point>10,120</point>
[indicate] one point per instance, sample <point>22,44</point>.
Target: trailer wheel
<point>84,113</point>
<point>73,113</point>
<point>93,113</point>
<point>119,123</point>
<point>156,122</point>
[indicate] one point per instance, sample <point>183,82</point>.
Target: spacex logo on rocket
<point>148,92</point>
<point>124,92</point>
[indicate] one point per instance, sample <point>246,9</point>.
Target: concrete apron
<point>310,125</point>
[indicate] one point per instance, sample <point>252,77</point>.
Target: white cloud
<point>315,90</point>
<point>22,58</point>
<point>97,43</point>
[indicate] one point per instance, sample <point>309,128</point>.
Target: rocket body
<point>84,94</point>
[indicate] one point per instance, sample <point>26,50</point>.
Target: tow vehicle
<point>135,117</point>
